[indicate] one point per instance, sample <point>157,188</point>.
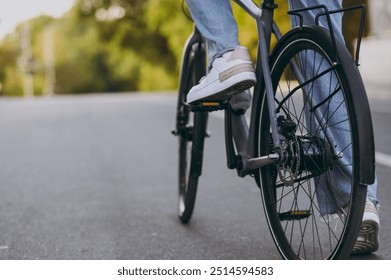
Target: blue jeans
<point>216,23</point>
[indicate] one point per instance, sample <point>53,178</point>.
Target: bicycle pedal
<point>294,215</point>
<point>208,106</point>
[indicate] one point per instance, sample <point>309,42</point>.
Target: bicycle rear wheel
<point>313,201</point>
<point>191,131</point>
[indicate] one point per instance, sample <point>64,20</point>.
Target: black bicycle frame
<point>242,135</point>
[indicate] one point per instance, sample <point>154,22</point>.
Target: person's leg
<point>336,19</point>
<point>215,20</point>
<point>230,69</point>
<point>309,16</point>
<point>368,237</point>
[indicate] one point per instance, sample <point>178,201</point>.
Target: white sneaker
<point>231,73</point>
<point>368,237</point>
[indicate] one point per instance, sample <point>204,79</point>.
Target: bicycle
<point>289,145</point>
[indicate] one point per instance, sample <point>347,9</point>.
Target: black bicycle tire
<point>319,39</point>
<point>191,136</point>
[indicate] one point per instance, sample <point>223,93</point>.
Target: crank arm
<point>254,163</point>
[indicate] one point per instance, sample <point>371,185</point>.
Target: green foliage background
<point>113,45</point>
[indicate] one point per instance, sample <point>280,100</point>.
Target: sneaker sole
<point>240,83</point>
<point>367,240</point>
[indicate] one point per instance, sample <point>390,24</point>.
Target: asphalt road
<point>94,177</point>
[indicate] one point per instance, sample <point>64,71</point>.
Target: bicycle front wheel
<point>313,200</point>
<point>191,131</point>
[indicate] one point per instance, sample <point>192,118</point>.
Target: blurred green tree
<point>133,29</point>
<point>122,45</point>
<point>10,80</point>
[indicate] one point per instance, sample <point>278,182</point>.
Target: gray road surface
<point>94,177</point>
